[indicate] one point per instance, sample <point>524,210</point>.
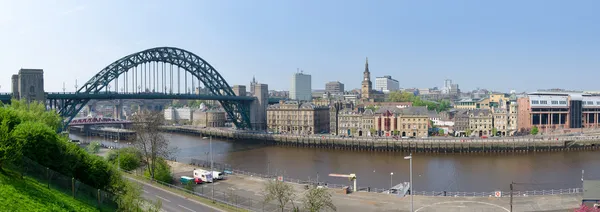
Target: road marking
<point>165,199</point>
<point>186,208</point>
<point>145,191</point>
<point>450,202</point>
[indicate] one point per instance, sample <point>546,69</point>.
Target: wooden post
<point>73,186</point>
<point>98,197</point>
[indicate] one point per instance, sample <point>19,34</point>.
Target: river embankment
<point>425,145</point>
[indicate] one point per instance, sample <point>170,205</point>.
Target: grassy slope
<point>29,195</point>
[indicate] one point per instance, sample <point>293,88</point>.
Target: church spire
<point>367,65</point>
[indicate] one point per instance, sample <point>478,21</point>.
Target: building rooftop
<point>480,112</point>
<point>303,105</point>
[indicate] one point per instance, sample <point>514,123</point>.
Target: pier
<point>429,145</point>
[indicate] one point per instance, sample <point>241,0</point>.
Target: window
<point>554,102</point>
<point>543,102</point>
<point>590,103</point>
<point>598,103</point>
<point>563,102</point>
<point>535,102</point>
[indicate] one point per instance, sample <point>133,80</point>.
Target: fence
<point>229,198</point>
<point>226,167</point>
<point>67,185</point>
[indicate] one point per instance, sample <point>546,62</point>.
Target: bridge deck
<point>111,95</point>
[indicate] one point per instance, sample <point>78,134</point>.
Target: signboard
<point>280,178</point>
<point>498,194</point>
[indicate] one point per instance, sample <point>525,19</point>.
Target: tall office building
<point>334,87</point>
<point>386,84</point>
<point>301,87</point>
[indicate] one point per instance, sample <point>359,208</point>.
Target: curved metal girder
<point>188,61</point>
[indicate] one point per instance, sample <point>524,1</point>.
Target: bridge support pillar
<point>118,110</point>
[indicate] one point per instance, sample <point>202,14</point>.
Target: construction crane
<point>351,177</point>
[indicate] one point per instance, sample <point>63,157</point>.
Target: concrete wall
<point>523,114</point>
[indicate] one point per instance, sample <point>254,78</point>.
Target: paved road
<point>172,202</point>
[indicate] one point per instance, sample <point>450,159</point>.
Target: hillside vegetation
<point>29,132</point>
<point>30,195</point>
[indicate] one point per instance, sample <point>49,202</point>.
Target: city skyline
<point>475,44</point>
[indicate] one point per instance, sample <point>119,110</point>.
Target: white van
<point>217,175</point>
<point>203,175</point>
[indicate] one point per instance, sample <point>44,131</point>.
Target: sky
<point>498,45</point>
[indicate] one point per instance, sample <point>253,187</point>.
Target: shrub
<point>93,147</point>
<point>127,158</point>
<point>162,171</point>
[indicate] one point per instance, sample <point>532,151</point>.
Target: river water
<point>431,172</point>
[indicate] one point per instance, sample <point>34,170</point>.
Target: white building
<point>301,87</point>
<point>386,84</point>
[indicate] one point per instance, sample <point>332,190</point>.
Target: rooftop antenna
<point>76,85</point>
<point>64,88</point>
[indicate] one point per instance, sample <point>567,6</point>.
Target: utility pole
<point>511,196</point>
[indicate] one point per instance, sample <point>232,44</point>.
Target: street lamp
<point>391,184</point>
<point>412,190</point>
<point>211,167</point>
<point>118,156</point>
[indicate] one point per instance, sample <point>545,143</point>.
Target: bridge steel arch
<point>193,64</point>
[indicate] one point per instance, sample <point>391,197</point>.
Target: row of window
<point>590,103</point>
<point>545,102</point>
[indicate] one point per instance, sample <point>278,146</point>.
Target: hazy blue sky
<point>501,45</point>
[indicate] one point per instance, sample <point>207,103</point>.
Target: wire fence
<point>230,197</point>
<point>227,168</point>
<point>67,185</point>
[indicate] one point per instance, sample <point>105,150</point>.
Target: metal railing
<point>220,166</point>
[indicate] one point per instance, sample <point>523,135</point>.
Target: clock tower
<point>367,86</point>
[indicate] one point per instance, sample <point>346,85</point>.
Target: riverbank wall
<point>429,145</point>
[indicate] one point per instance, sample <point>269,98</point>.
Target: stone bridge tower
<point>29,85</point>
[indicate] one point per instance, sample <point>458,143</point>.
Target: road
<point>172,202</point>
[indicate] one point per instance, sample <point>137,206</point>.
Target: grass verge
<point>28,194</point>
<point>188,195</point>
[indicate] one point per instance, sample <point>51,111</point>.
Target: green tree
<point>373,131</point>
<point>127,158</point>
<point>353,131</point>
<point>494,131</point>
<point>372,108</point>
<point>93,147</point>
<point>400,96</point>
<point>468,132</point>
<point>317,199</point>
<point>396,132</point>
<point>280,192</point>
<point>534,130</point>
<point>162,171</point>
<point>441,132</point>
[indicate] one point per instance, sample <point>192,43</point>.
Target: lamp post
<point>412,190</point>
<point>118,156</point>
<point>211,167</point>
<point>391,180</point>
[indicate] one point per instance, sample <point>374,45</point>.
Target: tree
<point>149,140</point>
<point>441,132</point>
<point>494,131</point>
<point>372,108</point>
<point>534,130</point>
<point>127,158</point>
<point>281,192</point>
<point>373,131</point>
<point>316,199</point>
<point>396,132</point>
<point>93,147</point>
<point>468,132</point>
<point>162,171</point>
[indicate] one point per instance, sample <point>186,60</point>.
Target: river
<point>431,172</point>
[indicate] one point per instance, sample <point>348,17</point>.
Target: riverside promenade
<point>434,144</point>
<point>248,191</point>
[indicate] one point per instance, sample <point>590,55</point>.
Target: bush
<point>162,173</point>
<point>127,158</point>
<point>93,147</point>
